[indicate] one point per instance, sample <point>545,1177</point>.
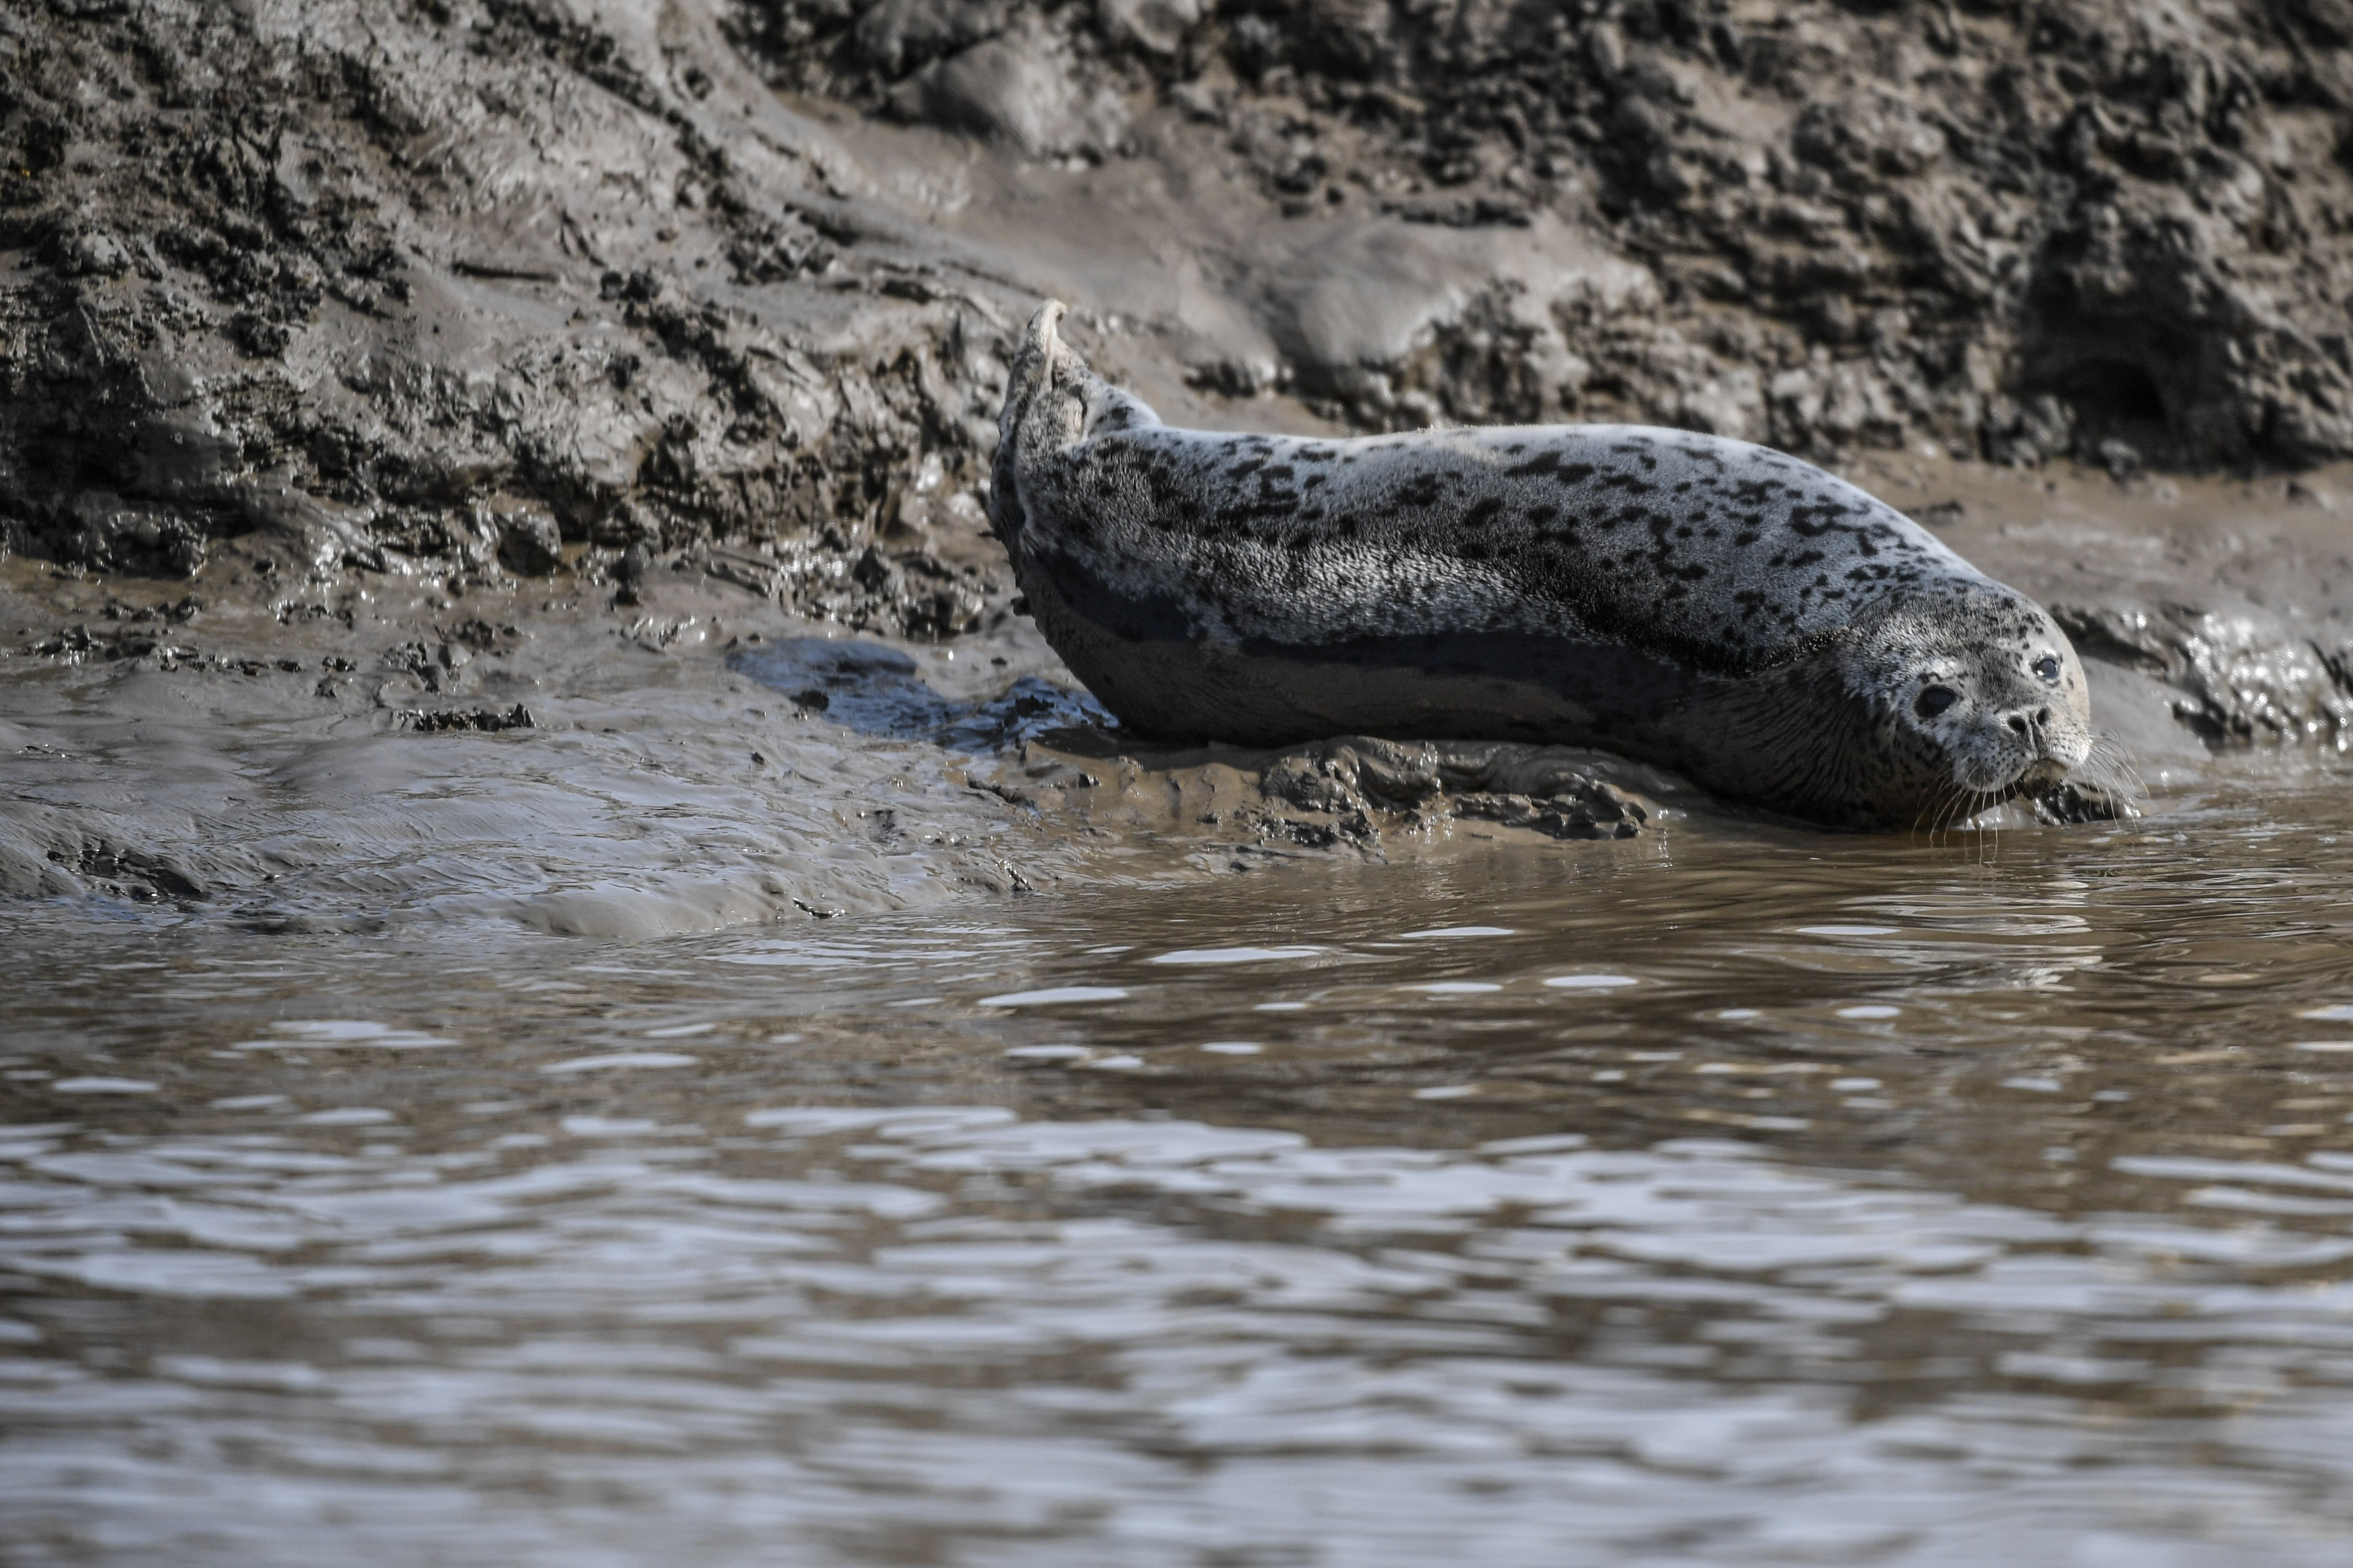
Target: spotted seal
<point>1763,627</point>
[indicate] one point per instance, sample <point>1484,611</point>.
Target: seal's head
<point>1973,694</point>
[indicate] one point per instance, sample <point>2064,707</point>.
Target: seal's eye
<point>2047,667</point>
<point>1935,701</point>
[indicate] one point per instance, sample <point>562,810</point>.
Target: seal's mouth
<point>2039,774</point>
<point>2020,756</point>
<point>2039,777</point>
<point>2044,772</point>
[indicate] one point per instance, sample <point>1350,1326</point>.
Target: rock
<point>2239,676</point>
<point>1016,89</point>
<point>1155,27</point>
<point>531,543</point>
<point>899,35</point>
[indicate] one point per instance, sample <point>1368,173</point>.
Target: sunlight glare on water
<point>1742,1197</point>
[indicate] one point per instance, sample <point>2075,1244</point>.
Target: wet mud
<point>471,376</point>
<point>682,750</point>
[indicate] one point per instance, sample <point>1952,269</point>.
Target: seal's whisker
<point>2109,766</point>
<point>1956,809</point>
<point>1927,804</point>
<point>1949,807</point>
<point>1938,802</point>
<point>1932,809</point>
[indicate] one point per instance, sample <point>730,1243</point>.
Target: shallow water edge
<point>1706,1198</point>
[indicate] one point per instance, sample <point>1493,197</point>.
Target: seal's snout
<point>2030,743</point>
<point>2039,728</point>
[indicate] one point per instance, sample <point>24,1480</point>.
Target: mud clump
<point>1357,793</point>
<point>130,873</point>
<point>530,544</point>
<point>487,720</point>
<point>1599,812</point>
<point>2239,676</point>
<point>1359,780</point>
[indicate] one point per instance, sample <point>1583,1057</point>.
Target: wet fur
<point>1725,609</point>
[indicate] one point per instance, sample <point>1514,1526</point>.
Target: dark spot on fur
<point>1422,490</point>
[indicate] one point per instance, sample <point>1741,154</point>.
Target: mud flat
<point>374,747</point>
<point>438,447</point>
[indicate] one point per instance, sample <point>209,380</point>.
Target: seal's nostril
<point>2018,722</point>
<point>2043,717</point>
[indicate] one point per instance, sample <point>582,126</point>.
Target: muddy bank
<point>700,759</point>
<point>463,289</point>
<point>468,281</point>
<point>2017,231</point>
<point>372,750</point>
<point>409,420</point>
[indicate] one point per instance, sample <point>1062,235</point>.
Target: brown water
<point>1731,1196</point>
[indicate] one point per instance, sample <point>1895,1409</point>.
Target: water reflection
<point>1783,1199</point>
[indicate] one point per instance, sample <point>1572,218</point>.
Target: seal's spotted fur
<point>1726,609</point>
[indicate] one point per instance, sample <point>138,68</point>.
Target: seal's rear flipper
<point>1039,414</point>
<point>1042,361</point>
<point>1053,401</point>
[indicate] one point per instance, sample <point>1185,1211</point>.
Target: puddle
<point>881,692</point>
